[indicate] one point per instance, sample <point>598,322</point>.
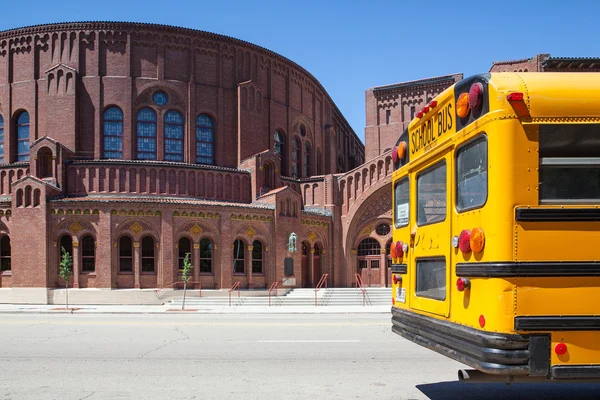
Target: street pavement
<point>232,356</point>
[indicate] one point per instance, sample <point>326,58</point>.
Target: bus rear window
<point>401,203</point>
<point>569,163</point>
<point>431,195</point>
<point>472,175</point>
<point>431,278</point>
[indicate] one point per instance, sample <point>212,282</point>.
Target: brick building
<point>131,145</point>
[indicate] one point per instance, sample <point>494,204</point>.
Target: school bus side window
<point>431,195</point>
<point>401,203</point>
<point>472,175</point>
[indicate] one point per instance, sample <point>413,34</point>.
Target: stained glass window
<point>205,130</point>
<point>160,98</point>
<point>113,133</point>
<point>173,136</point>
<point>146,134</point>
<point>23,137</point>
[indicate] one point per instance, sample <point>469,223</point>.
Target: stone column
<point>249,265</point>
<point>353,267</point>
<point>311,269</point>
<point>76,263</point>
<point>382,267</point>
<point>136,265</point>
<point>196,264</point>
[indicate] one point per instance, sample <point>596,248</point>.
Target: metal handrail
<point>273,287</point>
<point>322,281</point>
<point>235,286</point>
<point>156,291</point>
<point>360,285</point>
<point>289,277</point>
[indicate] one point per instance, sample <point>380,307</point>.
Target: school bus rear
<point>527,303</point>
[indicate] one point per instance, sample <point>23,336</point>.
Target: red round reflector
<point>475,95</point>
<point>432,104</point>
<point>426,109</point>
<point>397,279</point>
<point>464,241</point>
<point>395,155</point>
<point>399,249</point>
<point>560,349</point>
<point>420,114</point>
<point>462,284</point>
<point>481,321</point>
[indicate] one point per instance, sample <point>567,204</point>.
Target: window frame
<point>138,136</point>
<point>204,259</point>
<point>105,135</point>
<point>441,259</point>
<point>85,257</point>
<point>199,128</point>
<point>394,211</point>
<point>258,260</point>
<point>180,256</point>
<point>22,157</point>
<point>425,171</point>
<point>126,257</point>
<point>242,244</point>
<point>180,140</point>
<point>5,256</point>
<point>481,136</point>
<point>146,257</point>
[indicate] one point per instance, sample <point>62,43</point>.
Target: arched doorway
<point>369,258</point>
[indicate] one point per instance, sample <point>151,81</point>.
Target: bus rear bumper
<point>491,353</point>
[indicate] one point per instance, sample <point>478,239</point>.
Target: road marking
<point>310,341</point>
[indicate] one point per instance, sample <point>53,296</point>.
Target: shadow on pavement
<point>497,391</point>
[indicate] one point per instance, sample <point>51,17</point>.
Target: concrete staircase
<point>295,298</point>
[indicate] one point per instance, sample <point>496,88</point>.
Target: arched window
<point>257,258</point>
<point>173,136</point>
<point>36,197</point>
<point>88,254</point>
<point>296,149</point>
<point>146,134</point>
<point>307,170</point>
<point>205,130</point>
<point>148,254</point>
<point>369,247</point>
<point>317,250</point>
<point>206,247</point>
<point>23,136</point>
<point>239,251</point>
<point>268,177</point>
<point>279,149</point>
<point>28,196</point>
<point>113,133</point>
<point>20,198</point>
<point>125,254</point>
<point>184,246</point>
<point>44,163</point>
<point>1,140</point>
<point>65,241</point>
<point>5,253</point>
<point>340,165</point>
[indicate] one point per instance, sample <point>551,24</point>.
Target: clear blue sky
<point>351,45</point>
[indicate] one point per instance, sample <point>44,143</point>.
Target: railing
<point>322,281</point>
<point>157,291</point>
<point>235,286</point>
<point>273,287</point>
<point>360,285</point>
<point>285,280</point>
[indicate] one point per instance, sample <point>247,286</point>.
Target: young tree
<point>66,263</point>
<point>187,267</point>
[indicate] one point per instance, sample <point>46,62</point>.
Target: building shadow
<point>497,391</point>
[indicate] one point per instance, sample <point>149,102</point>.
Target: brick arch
<point>176,99</point>
<point>64,227</point>
<point>147,228</point>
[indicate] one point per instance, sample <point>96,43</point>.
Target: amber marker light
<point>401,149</point>
<point>462,105</point>
<point>477,240</point>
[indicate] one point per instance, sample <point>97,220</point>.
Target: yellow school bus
<point>496,227</point>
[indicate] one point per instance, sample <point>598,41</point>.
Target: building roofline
<point>418,82</point>
<point>94,25</point>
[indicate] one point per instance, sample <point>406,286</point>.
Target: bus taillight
<point>471,240</point>
<point>476,96</point>
<point>399,249</point>
<point>397,279</point>
<point>462,105</point>
<point>393,253</point>
<point>462,284</point>
<point>464,241</point>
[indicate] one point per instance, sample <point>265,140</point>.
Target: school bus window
<point>431,278</point>
<point>401,203</point>
<point>431,195</point>
<point>570,163</point>
<point>472,175</point>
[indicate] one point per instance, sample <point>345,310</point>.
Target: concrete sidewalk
<point>191,309</point>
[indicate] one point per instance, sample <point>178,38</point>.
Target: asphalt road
<point>233,357</point>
